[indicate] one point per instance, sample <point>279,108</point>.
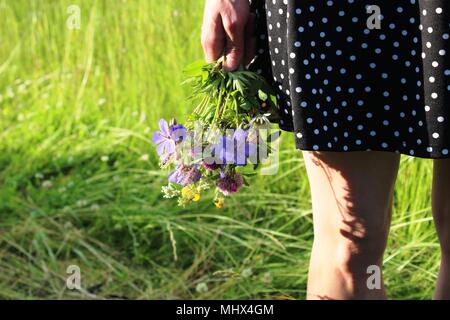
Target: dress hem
<point>310,147</point>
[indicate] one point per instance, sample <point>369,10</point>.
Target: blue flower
<point>236,149</point>
<point>167,137</point>
<point>178,132</point>
<point>185,175</point>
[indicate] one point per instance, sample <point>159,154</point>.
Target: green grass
<point>77,108</point>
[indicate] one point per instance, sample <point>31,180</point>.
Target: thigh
<point>351,193</point>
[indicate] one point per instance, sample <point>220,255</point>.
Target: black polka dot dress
<point>354,75</point>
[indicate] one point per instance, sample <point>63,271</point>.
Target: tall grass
<point>80,184</point>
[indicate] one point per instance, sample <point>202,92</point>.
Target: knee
<point>358,244</point>
<point>349,262</point>
<point>350,255</point>
<point>354,257</point>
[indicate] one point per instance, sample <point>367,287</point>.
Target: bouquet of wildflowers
<point>226,134</point>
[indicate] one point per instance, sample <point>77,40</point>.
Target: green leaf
<point>273,99</point>
<point>238,86</point>
<point>246,105</point>
<point>262,95</point>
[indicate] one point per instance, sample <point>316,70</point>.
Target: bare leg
<point>351,200</point>
<point>441,213</point>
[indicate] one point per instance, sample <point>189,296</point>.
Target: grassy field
<point>80,183</point>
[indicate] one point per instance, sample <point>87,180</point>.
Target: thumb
<point>235,46</point>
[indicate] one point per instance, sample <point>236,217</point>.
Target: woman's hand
<point>228,28</point>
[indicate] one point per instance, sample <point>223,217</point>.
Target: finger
<point>213,38</point>
<point>235,44</point>
<point>250,40</point>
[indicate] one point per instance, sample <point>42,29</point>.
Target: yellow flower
<point>196,197</point>
<point>190,194</point>
<point>219,203</point>
<point>187,192</point>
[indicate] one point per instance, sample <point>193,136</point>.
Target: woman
<point>359,83</point>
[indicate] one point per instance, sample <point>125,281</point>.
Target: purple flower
<point>237,149</point>
<point>178,132</point>
<point>210,166</point>
<point>167,137</point>
<point>230,183</point>
<point>185,175</point>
